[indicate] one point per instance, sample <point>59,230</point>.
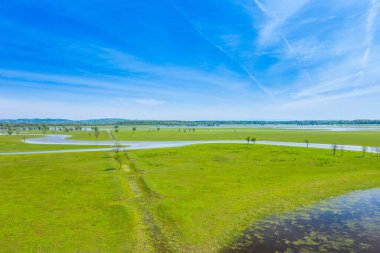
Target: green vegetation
<point>65,203</point>
<point>190,199</point>
<point>369,138</point>
<point>16,144</point>
<point>203,196</point>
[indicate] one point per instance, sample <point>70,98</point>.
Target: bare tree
<point>117,148</point>
<point>307,142</point>
<point>364,149</point>
<point>334,147</point>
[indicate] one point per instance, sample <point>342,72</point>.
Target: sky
<point>190,60</point>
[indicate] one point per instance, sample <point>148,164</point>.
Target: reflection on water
<point>350,223</point>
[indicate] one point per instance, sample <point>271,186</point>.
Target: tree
<point>117,148</point>
<point>9,130</point>
<point>341,150</point>
<point>334,147</point>
<point>44,128</point>
<point>96,132</point>
<point>364,150</point>
<point>119,158</point>
<point>158,129</point>
<point>307,143</point>
<point>253,140</point>
<point>248,139</point>
<point>116,129</point>
<point>134,129</point>
<point>118,155</point>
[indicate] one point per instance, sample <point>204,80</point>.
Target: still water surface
<point>349,223</point>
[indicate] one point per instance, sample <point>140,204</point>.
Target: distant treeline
<point>36,123</point>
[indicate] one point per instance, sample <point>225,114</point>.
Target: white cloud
<point>277,12</point>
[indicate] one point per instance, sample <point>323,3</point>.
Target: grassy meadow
<point>189,199</point>
<point>370,138</point>
<point>65,203</point>
<point>205,195</point>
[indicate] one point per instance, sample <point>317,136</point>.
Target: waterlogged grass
<point>65,203</point>
<point>206,195</point>
<point>16,144</point>
<point>370,138</point>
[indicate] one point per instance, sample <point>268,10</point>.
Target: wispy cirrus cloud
<point>277,12</point>
<point>330,66</point>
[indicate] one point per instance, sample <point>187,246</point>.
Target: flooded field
<point>349,223</point>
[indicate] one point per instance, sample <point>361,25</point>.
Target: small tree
<point>253,140</point>
<point>44,128</point>
<point>158,129</point>
<point>248,139</point>
<point>364,150</point>
<point>117,148</point>
<point>341,150</point>
<point>116,129</point>
<point>9,131</point>
<point>119,158</point>
<point>307,142</point>
<point>334,147</point>
<point>134,129</point>
<point>96,132</point>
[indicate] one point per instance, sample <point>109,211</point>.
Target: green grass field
<point>209,193</point>
<point>370,138</point>
<point>65,203</point>
<point>189,199</point>
<point>15,144</point>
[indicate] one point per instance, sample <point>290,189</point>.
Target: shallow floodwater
<point>350,223</point>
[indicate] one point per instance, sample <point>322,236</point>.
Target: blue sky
<point>190,60</point>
